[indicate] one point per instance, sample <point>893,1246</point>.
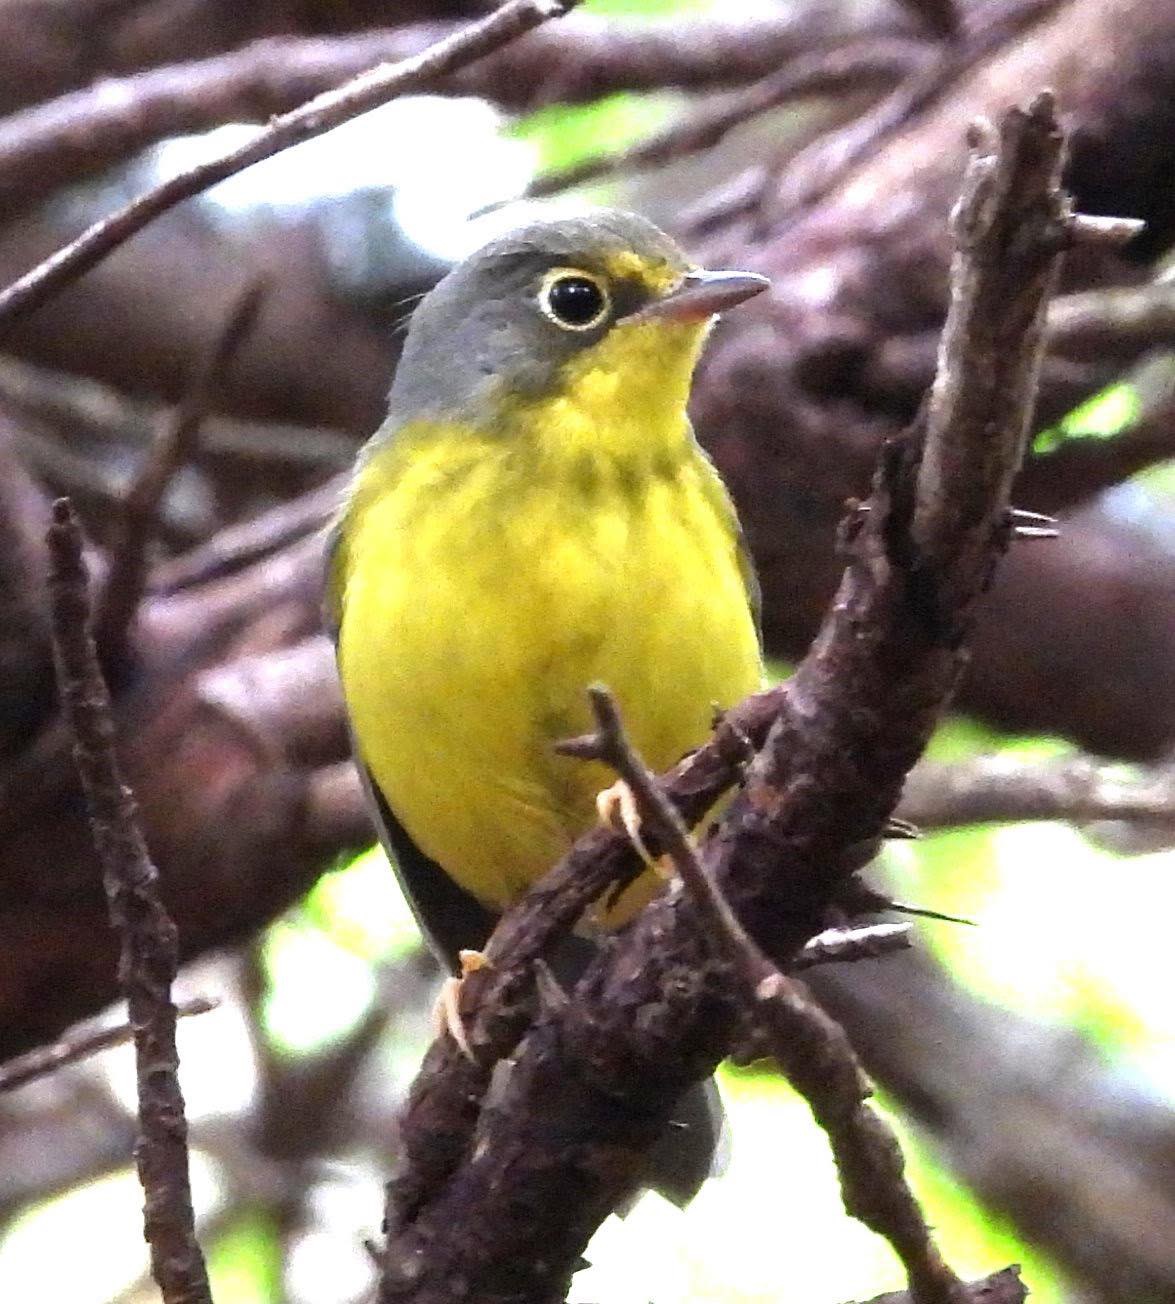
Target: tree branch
<point>810,1048</point>
<point>860,709</point>
<point>80,1044</point>
<point>71,137</point>
<point>1025,1111</point>
<point>855,66</point>
<point>1003,1287</point>
<point>174,445</point>
<point>840,945</point>
<point>330,109</point>
<point>147,964</point>
<point>1001,790</point>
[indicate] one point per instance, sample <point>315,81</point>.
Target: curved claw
<point>616,807</point>
<point>447,1010</point>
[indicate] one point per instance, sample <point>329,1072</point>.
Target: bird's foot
<point>447,1010</point>
<point>616,807</point>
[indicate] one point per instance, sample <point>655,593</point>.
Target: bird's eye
<point>574,300</point>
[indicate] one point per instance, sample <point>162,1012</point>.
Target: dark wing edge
<point>451,919</point>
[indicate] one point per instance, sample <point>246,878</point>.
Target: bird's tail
<point>692,1148</point>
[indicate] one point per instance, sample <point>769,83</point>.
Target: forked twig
<point>175,444</point>
<point>810,1047</point>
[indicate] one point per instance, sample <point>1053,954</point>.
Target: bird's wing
<point>449,917</point>
<point>332,594</point>
<point>720,500</point>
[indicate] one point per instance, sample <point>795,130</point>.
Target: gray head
<point>513,315</point>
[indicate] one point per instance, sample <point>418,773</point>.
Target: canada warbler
<point>535,515</point>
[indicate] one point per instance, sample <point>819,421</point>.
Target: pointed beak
<point>701,294</point>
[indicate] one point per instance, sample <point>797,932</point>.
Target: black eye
<point>574,300</point>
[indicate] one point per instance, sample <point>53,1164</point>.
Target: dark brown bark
<point>148,948</point>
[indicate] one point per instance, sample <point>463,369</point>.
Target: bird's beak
<point>701,294</point>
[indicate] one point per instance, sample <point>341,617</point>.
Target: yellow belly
<point>476,606</point>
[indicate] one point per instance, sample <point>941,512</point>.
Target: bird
<point>535,515</point>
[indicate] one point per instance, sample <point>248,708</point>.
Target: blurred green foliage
<point>244,1262</point>
<point>1101,417</point>
<point>565,135</point>
<point>352,919</point>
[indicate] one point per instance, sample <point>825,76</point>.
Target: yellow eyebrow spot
<point>656,274</point>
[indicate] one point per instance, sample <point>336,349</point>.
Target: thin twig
<point>65,139</point>
<point>80,1044</point>
<point>845,945</point>
<point>330,109</point>
<point>610,746</point>
<point>497,1001</point>
<point>815,170</point>
<point>811,1048</point>
<point>860,65</point>
<point>176,443</point>
<point>149,948</point>
<point>86,411</point>
<point>235,547</point>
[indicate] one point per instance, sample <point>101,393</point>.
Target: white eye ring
<point>571,283</point>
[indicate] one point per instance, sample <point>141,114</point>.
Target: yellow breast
<point>483,582</point>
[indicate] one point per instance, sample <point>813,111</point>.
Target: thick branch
<point>862,706</point>
<point>810,1048</point>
